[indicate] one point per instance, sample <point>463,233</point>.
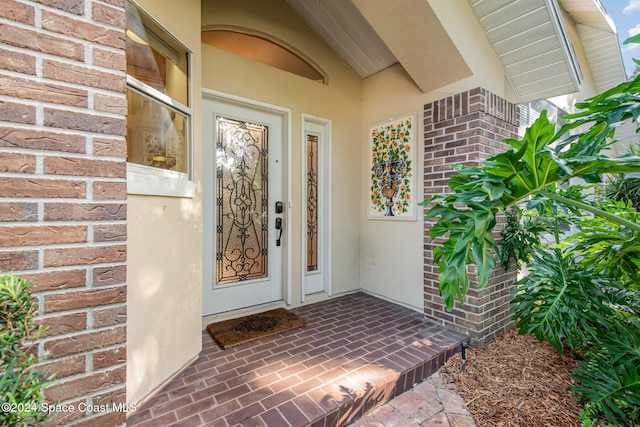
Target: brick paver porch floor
<point>356,352</point>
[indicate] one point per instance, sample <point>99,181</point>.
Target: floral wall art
<point>391,193</point>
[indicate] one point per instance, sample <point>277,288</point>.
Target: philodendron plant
<point>581,292</point>
<point>533,166</point>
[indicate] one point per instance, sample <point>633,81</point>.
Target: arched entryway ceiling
<point>371,35</point>
<point>263,48</point>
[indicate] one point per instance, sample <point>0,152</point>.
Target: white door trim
<point>285,114</point>
<point>322,127</point>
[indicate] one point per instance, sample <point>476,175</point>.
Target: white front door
<point>244,204</point>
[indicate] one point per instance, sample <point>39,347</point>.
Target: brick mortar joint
<point>39,79</point>
<point>110,286</point>
<point>62,132</point>
<point>78,245</point>
<point>54,338</point>
<point>85,17</point>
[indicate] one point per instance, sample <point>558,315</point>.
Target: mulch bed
<point>516,381</point>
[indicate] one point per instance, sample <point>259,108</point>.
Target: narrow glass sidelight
<point>312,202</point>
<point>241,201</point>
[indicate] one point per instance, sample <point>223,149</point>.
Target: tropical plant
<point>534,166</point>
<point>609,378</point>
<point>621,188</point>
<point>580,293</point>
<point>612,249</point>
<point>522,233</point>
<point>21,384</point>
<point>519,239</point>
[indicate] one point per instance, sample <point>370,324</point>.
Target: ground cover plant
<point>580,293</point>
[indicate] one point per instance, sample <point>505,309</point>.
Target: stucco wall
<point>472,43</point>
<point>391,265</point>
<point>338,101</point>
<point>164,262</point>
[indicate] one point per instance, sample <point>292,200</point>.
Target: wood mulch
<point>516,381</point>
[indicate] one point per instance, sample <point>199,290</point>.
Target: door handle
<point>279,227</point>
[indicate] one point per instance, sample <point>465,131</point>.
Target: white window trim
<point>150,181</point>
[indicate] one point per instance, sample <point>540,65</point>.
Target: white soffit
<point>371,35</point>
<point>531,40</point>
<point>348,33</point>
<point>415,35</point>
<point>599,39</point>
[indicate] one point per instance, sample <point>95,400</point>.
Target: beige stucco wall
<point>472,44</point>
<point>164,262</point>
<point>338,101</point>
<point>391,265</point>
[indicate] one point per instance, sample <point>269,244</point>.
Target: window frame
<point>149,180</point>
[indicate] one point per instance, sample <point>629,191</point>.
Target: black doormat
<point>230,333</point>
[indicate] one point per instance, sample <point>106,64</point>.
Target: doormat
<point>230,333</point>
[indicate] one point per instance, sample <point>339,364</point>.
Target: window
<point>530,112</point>
<point>159,121</point>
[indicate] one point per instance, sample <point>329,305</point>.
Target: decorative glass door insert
<point>312,202</point>
<point>316,174</point>
<point>241,201</point>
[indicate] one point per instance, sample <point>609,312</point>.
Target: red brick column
<point>463,129</point>
<point>63,188</point>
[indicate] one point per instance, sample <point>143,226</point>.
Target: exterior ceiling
<point>348,33</point>
<point>531,41</point>
<point>371,35</point>
<point>600,41</point>
<point>415,35</point>
<point>529,37</point>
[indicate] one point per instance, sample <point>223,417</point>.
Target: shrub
<point>582,295</point>
<point>21,384</point>
<point>623,189</point>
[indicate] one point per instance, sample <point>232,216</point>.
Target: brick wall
<point>63,189</point>
<point>463,129</point>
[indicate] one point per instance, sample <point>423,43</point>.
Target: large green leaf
<point>533,166</point>
<point>613,391</point>
<point>612,249</point>
<point>557,301</point>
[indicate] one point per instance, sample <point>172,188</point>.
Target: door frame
<point>324,197</point>
<point>207,196</point>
